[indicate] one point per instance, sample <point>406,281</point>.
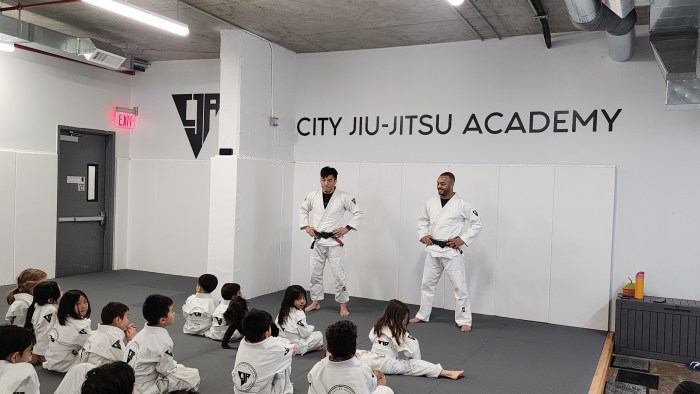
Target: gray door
<point>82,208</point>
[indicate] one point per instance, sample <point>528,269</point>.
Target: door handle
<point>76,219</point>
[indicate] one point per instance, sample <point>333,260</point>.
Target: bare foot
<point>319,347</point>
<point>454,375</point>
<point>416,320</point>
<point>344,310</point>
<point>465,328</point>
<point>313,306</point>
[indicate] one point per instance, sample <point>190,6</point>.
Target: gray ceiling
<point>301,25</point>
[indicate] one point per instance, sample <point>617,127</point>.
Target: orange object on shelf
<point>639,286</point>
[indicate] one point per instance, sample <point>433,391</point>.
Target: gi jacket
<point>150,353</point>
<point>353,374</point>
<point>17,313</point>
<point>386,344</point>
<point>444,223</point>
<point>65,343</point>
<point>296,327</point>
<point>218,323</point>
<point>198,312</point>
<point>18,378</point>
<point>331,220</point>
<point>105,345</point>
<point>260,367</point>
<point>44,320</point>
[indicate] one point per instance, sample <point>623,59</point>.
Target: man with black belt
<point>328,206</point>
<point>442,227</point>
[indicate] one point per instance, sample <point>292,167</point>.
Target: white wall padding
<point>7,217</point>
<point>121,214</point>
<point>169,216</point>
<point>524,242</point>
<point>582,246</point>
<point>222,218</point>
<point>259,202</point>
<point>378,260</point>
<point>35,212</point>
<point>306,179</point>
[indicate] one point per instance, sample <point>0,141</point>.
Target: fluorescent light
<point>7,46</point>
<point>141,15</point>
<point>455,2</point>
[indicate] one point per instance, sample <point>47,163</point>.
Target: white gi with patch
<point>299,332</point>
<point>328,249</point>
<point>342,377</point>
<point>456,219</point>
<point>44,320</point>
<point>65,343</point>
<point>263,367</point>
<point>150,354</point>
<point>393,358</point>
<point>198,312</point>
<point>219,325</point>
<point>72,383</point>
<point>18,378</point>
<point>17,312</point>
<point>105,345</point>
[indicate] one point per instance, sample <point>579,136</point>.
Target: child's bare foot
<point>319,347</point>
<point>454,375</point>
<point>416,320</point>
<point>344,310</point>
<point>465,328</point>
<point>313,306</point>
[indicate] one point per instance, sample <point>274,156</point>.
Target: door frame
<point>109,183</point>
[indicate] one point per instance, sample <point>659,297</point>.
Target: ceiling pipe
<point>20,7</point>
<point>591,15</point>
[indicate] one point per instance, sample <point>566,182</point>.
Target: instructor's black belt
<point>443,244</point>
<point>325,235</point>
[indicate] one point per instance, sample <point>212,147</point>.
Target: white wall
<point>653,150</point>
<point>42,93</point>
<point>167,187</point>
<point>249,237</point>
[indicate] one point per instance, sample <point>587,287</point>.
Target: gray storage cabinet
<point>668,330</point>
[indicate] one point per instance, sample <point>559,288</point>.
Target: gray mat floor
<point>499,356</point>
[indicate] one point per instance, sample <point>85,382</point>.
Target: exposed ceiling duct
<point>616,17</point>
<point>84,50</point>
<point>673,34</point>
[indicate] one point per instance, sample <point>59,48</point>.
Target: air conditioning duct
<point>617,18</point>
<point>673,34</point>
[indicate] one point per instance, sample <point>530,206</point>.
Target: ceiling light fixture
<point>7,46</point>
<point>455,2</point>
<point>141,15</point>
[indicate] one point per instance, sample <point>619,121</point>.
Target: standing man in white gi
<point>328,207</point>
<point>446,224</point>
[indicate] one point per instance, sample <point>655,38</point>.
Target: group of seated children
<point>56,327</point>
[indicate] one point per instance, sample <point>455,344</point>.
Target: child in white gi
<point>17,375</point>
<point>263,362</point>
<point>219,323</point>
<point>199,307</point>
<point>395,351</point>
<point>150,353</point>
<point>74,378</point>
<point>71,332</point>
<point>341,367</point>
<point>291,321</point>
<point>20,297</point>
<point>108,343</point>
<point>236,311</point>
<point>112,378</point>
<point>41,317</point>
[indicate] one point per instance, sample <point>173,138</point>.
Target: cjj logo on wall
<point>533,122</point>
<point>197,129</point>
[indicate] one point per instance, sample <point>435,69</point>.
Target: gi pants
<point>334,255</point>
<point>453,266</point>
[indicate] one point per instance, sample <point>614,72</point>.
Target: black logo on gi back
<point>197,129</point>
<point>245,376</point>
<point>341,389</point>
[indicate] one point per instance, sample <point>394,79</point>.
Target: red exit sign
<point>125,120</point>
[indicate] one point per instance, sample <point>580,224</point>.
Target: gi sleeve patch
<point>475,213</point>
<point>300,323</point>
<point>117,345</point>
